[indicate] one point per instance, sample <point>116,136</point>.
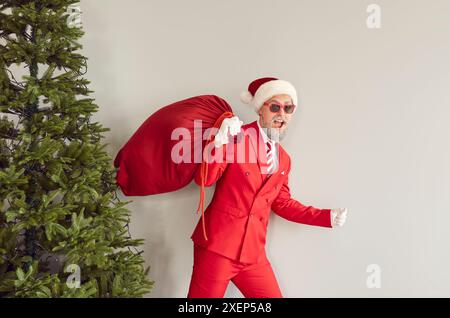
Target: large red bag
<point>145,163</point>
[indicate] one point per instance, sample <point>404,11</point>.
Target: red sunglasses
<point>275,107</point>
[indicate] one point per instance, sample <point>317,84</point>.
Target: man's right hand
<point>233,125</point>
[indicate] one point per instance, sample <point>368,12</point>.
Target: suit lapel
<point>254,141</point>
<point>257,144</point>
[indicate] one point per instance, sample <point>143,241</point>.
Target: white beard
<point>274,133</point>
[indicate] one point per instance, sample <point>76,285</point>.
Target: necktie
<point>270,157</point>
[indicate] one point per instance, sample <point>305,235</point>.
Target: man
<point>246,191</point>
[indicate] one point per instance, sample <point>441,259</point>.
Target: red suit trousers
<point>212,273</point>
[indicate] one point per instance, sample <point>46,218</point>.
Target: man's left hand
<point>338,216</point>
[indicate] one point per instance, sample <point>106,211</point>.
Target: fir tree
<point>60,217</point>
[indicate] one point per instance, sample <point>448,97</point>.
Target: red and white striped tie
<point>270,156</point>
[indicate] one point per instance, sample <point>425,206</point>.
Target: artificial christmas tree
<point>63,230</point>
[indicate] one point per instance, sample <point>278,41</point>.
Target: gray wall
<point>372,134</point>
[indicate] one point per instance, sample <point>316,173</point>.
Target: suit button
<point>251,214</point>
<point>247,173</point>
<point>267,200</point>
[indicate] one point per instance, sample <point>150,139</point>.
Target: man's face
<point>275,122</point>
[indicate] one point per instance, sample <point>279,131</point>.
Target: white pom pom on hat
<point>246,97</point>
<point>262,89</point>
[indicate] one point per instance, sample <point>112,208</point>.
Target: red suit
<point>236,221</point>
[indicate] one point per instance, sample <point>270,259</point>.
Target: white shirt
<point>263,133</point>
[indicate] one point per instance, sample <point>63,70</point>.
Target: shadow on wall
<point>166,222</point>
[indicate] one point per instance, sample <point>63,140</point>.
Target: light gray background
<point>372,134</point>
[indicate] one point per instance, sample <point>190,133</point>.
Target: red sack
<point>145,163</point>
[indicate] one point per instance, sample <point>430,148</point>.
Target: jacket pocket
<point>224,207</point>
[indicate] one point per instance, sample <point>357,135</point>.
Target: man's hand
<point>231,125</point>
<point>338,216</point>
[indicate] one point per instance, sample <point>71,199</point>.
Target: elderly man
<point>246,192</point>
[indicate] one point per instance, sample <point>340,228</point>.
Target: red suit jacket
<point>237,217</point>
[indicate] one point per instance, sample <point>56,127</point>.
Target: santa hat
<point>262,89</point>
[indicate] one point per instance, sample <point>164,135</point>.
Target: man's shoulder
<point>250,125</point>
<point>249,130</point>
